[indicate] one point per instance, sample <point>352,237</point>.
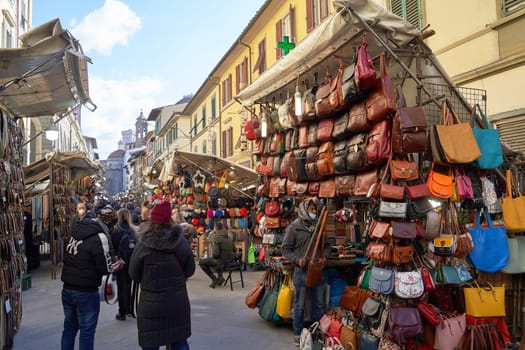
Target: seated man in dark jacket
<point>86,260</point>
<point>221,253</point>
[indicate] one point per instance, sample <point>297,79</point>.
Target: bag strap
<point>320,234</point>
<point>401,101</point>
<point>316,232</point>
<point>511,185</point>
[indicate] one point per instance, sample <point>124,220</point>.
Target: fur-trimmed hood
<point>168,239</point>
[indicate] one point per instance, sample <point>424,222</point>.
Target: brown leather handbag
<point>339,161</point>
<point>296,165</point>
<point>409,128</point>
<point>274,187</point>
<point>314,272</point>
<point>403,170</point>
<point>313,187</point>
<point>341,121</point>
<point>325,162</point>
<point>329,96</point>
<point>282,185</point>
<point>325,129</point>
<point>344,185</point>
<point>301,188</point>
<point>312,134</point>
<point>303,136</point>
<point>353,298</point>
<point>290,187</point>
<point>379,229</point>
<point>311,163</point>
<point>378,147</point>
<point>357,121</point>
<point>364,181</point>
<point>379,251</point>
<point>356,152</point>
<point>403,254</point>
<point>381,102</point>
<point>327,188</point>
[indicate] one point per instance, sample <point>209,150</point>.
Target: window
<point>285,27</point>
<point>214,147</point>
<point>203,147</point>
<point>227,90</point>
<point>213,109</point>
<point>227,143</point>
<point>316,11</point>
<point>203,117</point>
<point>241,75</point>
<point>176,131</point>
<point>195,125</point>
<point>409,10</point>
<point>511,6</point>
<point>157,126</point>
<point>260,64</point>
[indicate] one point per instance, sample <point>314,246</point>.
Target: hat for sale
<point>161,213</point>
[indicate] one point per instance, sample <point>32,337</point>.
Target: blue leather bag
<point>488,141</point>
<point>491,250</point>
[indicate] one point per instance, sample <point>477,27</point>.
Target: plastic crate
<point>26,282</point>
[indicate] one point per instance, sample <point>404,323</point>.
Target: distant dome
<point>116,154</point>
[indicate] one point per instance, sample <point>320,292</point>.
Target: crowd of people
<point>141,245</point>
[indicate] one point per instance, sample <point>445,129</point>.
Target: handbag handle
<point>401,101</point>
<point>484,211</point>
<point>485,123</point>
<point>320,235</point>
<point>511,185</point>
<point>316,230</point>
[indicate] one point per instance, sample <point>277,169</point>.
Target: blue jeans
<point>316,293</point>
<point>181,345</point>
<point>81,311</point>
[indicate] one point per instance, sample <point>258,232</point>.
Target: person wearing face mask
<point>294,245</point>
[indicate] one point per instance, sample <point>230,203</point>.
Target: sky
<point>145,54</point>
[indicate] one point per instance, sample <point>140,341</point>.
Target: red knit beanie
<point>161,213</point>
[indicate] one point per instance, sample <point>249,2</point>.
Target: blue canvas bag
<point>488,141</point>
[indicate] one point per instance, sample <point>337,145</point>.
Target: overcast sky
<point>145,54</point>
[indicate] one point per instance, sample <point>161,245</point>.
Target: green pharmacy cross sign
<point>285,45</point>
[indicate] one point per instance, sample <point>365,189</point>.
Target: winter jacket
<point>124,240</point>
<point>221,247</point>
<point>87,257</point>
<point>296,239</point>
<point>162,262</point>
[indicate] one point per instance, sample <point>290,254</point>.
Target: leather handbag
<point>349,337</point>
<point>302,141</point>
<point>392,209</point>
<point>301,188</point>
<point>272,222</point>
<point>344,185</point>
<point>417,191</point>
<point>272,208</point>
<point>448,335</point>
<point>290,187</point>
<point>443,245</point>
<point>403,170</point>
<point>381,280</point>
<point>403,254</point>
<point>274,187</point>
<point>325,163</point>
<point>404,229</point>
<point>313,187</point>
<point>368,341</point>
<point>456,139</point>
<point>429,312</point>
<point>340,154</point>
<point>379,251</point>
<point>364,70</point>
<point>256,292</point>
<point>353,298</point>
<point>252,128</point>
<point>491,251</point>
<point>409,128</point>
<point>328,98</point>
<point>463,184</point>
<point>418,208</point>
<point>364,181</point>
<point>513,207</point>
<point>296,165</point>
<point>440,181</point>
<point>350,92</point>
<point>379,229</point>
<point>404,322</point>
<point>308,101</point>
<point>339,131</point>
<point>285,297</point>
<point>286,113</point>
<point>314,271</point>
<point>356,159</point>
<point>312,134</point>
<point>408,284</point>
<point>484,301</point>
<point>488,141</point>
<point>381,101</point>
<point>327,188</point>
<point>391,191</point>
<point>325,128</point>
<point>357,121</point>
<point>378,146</point>
<point>371,313</point>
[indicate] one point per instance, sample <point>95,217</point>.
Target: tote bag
<point>488,142</point>
<point>285,297</point>
<point>513,207</point>
<point>491,250</point>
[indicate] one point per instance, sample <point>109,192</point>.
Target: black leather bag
<point>476,202</point>
<point>340,153</point>
<point>356,157</point>
<point>340,132</point>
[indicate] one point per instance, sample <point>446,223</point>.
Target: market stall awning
<point>46,75</point>
<point>239,177</point>
<point>337,30</point>
<point>78,162</point>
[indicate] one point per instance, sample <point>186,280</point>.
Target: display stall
<point>62,177</point>
<point>403,166</point>
<point>206,189</point>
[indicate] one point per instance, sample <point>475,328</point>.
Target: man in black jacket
<point>86,260</point>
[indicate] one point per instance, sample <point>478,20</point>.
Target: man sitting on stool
<point>221,253</point>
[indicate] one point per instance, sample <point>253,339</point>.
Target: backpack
<point>126,245</point>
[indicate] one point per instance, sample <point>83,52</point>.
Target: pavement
<point>220,319</point>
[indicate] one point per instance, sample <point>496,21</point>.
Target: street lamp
<point>52,132</point>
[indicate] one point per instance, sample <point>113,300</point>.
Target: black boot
<point>214,283</point>
<point>220,280</point>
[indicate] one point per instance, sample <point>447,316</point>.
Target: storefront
<point>378,168</point>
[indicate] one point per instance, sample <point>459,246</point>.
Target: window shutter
<point>292,24</point>
<point>279,37</point>
<point>223,99</point>
<point>324,9</point>
<point>237,79</point>
<point>511,6</point>
<point>230,142</point>
<point>223,144</point>
<point>245,71</point>
<point>230,89</point>
<point>309,15</point>
<point>413,10</point>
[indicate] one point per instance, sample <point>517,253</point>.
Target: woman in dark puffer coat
<point>161,262</point>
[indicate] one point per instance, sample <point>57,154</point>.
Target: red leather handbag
<point>381,102</point>
<point>429,312</point>
<point>272,208</point>
<point>378,147</point>
<point>365,72</point>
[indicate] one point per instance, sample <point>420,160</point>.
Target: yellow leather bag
<point>484,301</point>
<point>513,207</point>
<point>285,297</point>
